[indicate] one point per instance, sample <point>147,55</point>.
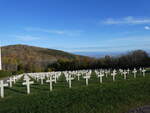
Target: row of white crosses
<point>70,75</point>
<point>102,73</point>
<point>12,80</point>
<point>141,71</point>
<point>2,84</point>
<point>49,76</point>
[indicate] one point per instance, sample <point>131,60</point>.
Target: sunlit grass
<point>108,97</point>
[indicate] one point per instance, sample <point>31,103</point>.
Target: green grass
<point>109,97</point>
<point>4,74</point>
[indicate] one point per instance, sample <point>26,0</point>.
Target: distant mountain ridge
<point>100,54</point>
<point>103,54</point>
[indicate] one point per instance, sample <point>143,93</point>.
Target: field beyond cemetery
<point>108,97</point>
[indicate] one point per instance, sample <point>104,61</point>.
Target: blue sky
<point>77,25</point>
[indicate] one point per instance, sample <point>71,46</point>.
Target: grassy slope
<point>109,97</point>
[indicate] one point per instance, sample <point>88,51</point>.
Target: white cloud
<point>147,28</point>
<point>58,32</point>
<point>127,20</point>
<point>26,38</point>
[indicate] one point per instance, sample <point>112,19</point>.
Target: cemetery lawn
<point>4,74</point>
<point>108,97</point>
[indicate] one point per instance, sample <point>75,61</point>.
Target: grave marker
<point>143,71</point>
<point>125,75</point>
<point>134,72</point>
<point>78,76</point>
<point>2,85</point>
<point>50,81</point>
<point>27,83</point>
<point>10,81</point>
<point>128,71</point>
<point>69,79</point>
<point>114,74</point>
<point>42,78</point>
<point>101,77</point>
<point>87,77</point>
<point>14,79</point>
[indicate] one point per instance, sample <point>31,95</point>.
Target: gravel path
<point>144,109</point>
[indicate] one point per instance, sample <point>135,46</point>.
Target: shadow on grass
<point>40,88</point>
<point>17,91</point>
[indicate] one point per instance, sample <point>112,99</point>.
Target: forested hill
<point>30,58</point>
<point>23,58</point>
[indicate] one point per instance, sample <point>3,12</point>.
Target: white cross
<point>134,71</point>
<point>106,72</point>
<point>114,71</point>
<point>50,82</point>
<point>37,78</point>
<point>10,81</point>
<point>2,85</point>
<point>121,71</point>
<point>113,74</point>
<point>69,79</point>
<point>125,74</point>
<point>87,77</point>
<point>78,76</point>
<point>55,76</point>
<point>26,77</point>
<point>14,79</point>
<point>42,78</point>
<point>27,83</point>
<point>101,77</point>
<point>140,70</point>
<point>128,71</point>
<point>143,71</point>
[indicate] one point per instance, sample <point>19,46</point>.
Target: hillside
<point>24,57</point>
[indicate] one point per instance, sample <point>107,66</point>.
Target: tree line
<point>29,61</point>
<point>134,59</point>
